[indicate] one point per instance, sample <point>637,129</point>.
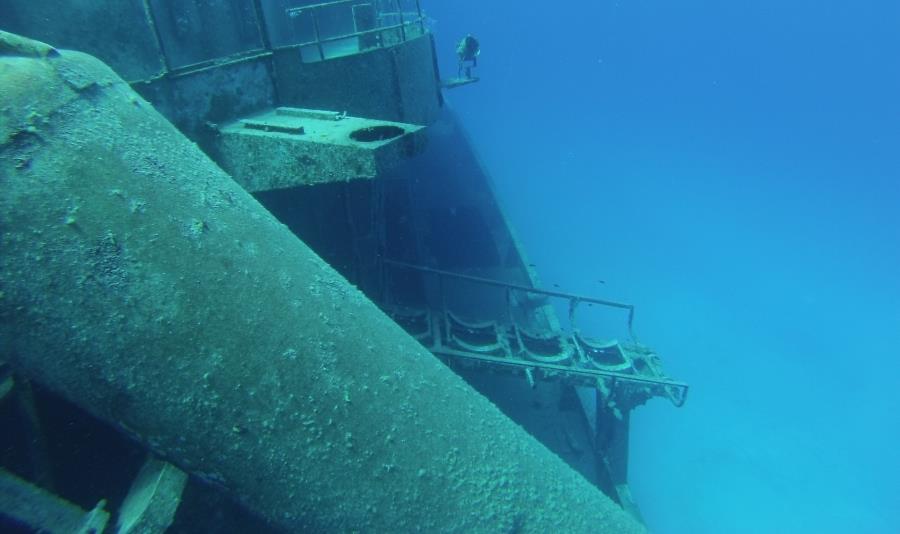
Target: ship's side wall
<point>203,64</point>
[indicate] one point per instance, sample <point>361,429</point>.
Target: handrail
<point>343,36</point>
<point>266,48</point>
<point>294,11</point>
<point>464,350</point>
<point>500,283</point>
<point>678,401</point>
<point>402,25</point>
<point>573,299</point>
<point>318,40</point>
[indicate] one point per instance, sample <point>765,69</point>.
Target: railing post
<point>151,21</point>
<point>631,324</point>
<point>261,25</point>
<point>421,18</point>
<point>573,304</point>
<point>315,21</point>
<point>402,24</point>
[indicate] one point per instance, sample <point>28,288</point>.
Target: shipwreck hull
<point>140,282</point>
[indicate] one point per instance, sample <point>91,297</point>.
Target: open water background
<point>733,169</point>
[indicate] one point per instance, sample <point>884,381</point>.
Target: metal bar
<point>573,305</point>
<point>562,369</point>
<point>421,18</point>
<point>295,11</point>
<point>261,25</point>
<point>38,454</point>
<point>218,62</point>
<point>341,37</point>
<point>313,9</point>
<point>402,24</point>
<point>675,391</point>
<point>249,55</point>
<point>195,68</point>
<point>315,21</point>
<point>498,283</point>
<point>151,21</point>
<point>631,324</point>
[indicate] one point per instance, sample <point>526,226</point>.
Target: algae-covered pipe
<point>143,284</point>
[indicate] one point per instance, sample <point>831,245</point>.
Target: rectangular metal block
<point>289,147</point>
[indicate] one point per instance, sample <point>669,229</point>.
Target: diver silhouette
<point>467,51</point>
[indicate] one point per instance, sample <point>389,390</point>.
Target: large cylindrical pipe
<point>140,282</point>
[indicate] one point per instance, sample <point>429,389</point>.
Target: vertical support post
<point>402,24</point>
<point>573,306</point>
<point>151,21</point>
<point>37,452</point>
<point>261,25</point>
<point>315,21</point>
<point>631,324</point>
<point>365,21</point>
<point>611,448</point>
<point>421,18</point>
<point>266,41</point>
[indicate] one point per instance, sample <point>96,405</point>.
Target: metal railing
<point>378,32</point>
<point>384,9</point>
<point>505,343</point>
<point>573,300</point>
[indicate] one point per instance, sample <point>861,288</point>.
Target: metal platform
<point>453,83</point>
<point>626,374</point>
<point>289,147</point>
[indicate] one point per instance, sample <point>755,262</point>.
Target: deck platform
<point>289,147</point>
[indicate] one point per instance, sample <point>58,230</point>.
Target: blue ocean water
<point>733,169</point>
